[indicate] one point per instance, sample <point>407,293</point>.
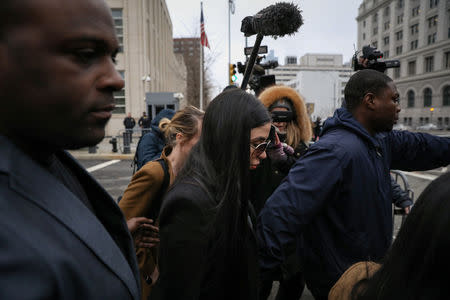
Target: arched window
<point>446,95</point>
<point>411,97</point>
<point>427,95</point>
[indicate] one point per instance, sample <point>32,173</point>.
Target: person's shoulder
<point>186,193</point>
<point>152,170</point>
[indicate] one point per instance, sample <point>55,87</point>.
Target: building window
<point>416,11</point>
<point>399,35</point>
<point>414,29</point>
<point>429,64</point>
<point>375,30</point>
<point>411,99</point>
<point>427,95</point>
<point>400,4</point>
<point>386,54</point>
<point>397,73</point>
<point>399,50</point>
<point>387,11</point>
<point>434,3</point>
<point>387,25</point>
<point>412,67</point>
<point>364,23</point>
<point>446,96</point>
<point>400,19</point>
<point>118,24</point>
<point>432,22</point>
<point>364,36</point>
<point>447,60</point>
<point>119,98</point>
<point>375,18</point>
<point>386,40</point>
<point>432,38</point>
<point>414,44</point>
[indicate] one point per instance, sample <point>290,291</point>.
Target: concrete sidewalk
<point>104,150</point>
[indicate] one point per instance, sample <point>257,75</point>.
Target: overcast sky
<point>329,27</point>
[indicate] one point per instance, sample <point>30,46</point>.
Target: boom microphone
<point>276,20</point>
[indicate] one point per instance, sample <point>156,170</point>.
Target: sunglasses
<point>259,149</point>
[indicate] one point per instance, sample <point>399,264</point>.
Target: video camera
<point>372,55</point>
<point>258,80</point>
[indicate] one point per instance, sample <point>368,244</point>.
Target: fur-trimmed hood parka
<point>277,92</point>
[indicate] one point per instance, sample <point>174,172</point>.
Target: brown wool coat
<point>137,202</point>
<point>276,92</point>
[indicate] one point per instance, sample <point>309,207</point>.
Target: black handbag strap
<point>157,201</point>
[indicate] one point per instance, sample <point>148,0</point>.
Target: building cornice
<point>424,76</point>
<point>368,11</point>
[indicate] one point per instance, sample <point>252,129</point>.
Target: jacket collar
<point>342,118</point>
<point>35,184</point>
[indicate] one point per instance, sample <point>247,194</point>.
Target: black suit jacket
<point>51,245</point>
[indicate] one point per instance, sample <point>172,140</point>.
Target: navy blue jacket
<point>337,198</point>
<point>151,144</point>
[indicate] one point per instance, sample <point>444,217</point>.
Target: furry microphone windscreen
<point>275,20</point>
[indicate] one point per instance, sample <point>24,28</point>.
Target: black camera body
<point>373,55</point>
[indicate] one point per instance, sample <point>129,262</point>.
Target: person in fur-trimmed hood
<point>293,133</point>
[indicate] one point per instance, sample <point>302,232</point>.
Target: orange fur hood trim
<point>276,92</point>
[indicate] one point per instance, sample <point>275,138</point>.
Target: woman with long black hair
<point>208,247</point>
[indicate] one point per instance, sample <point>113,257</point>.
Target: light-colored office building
<point>320,79</point>
<point>155,78</point>
<point>417,33</point>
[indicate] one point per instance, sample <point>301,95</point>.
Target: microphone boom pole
<point>251,61</point>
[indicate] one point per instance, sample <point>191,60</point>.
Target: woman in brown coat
<point>144,194</point>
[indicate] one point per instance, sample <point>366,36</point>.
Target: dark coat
<point>150,146</point>
<point>268,176</point>
<point>51,245</point>
<point>129,122</point>
<point>185,223</point>
<point>337,198</point>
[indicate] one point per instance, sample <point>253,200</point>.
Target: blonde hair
<point>184,121</point>
<point>293,134</point>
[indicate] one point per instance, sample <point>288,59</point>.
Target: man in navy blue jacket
<point>336,201</point>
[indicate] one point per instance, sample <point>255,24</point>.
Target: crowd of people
<point>233,198</point>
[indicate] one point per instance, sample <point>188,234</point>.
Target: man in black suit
<point>61,235</point>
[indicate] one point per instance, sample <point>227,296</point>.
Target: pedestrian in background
<point>416,266</point>
<point>293,133</point>
<point>337,198</point>
<point>208,246</point>
<point>147,187</point>
<point>144,122</point>
<point>317,128</point>
<point>150,146</point>
<point>61,235</point>
<point>129,122</point>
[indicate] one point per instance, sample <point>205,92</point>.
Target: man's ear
<point>369,101</point>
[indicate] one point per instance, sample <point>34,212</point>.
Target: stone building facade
<point>417,33</point>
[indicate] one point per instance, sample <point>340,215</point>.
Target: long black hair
<point>418,264</point>
<point>220,164</point>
